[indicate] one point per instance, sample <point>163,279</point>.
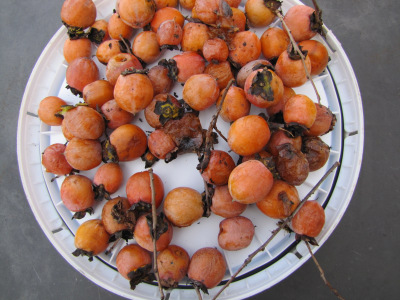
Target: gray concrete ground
<point>360,258</point>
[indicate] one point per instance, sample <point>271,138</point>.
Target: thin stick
<point>322,273</point>
<point>154,217</point>
<point>198,292</point>
<point>277,230</point>
<point>296,48</point>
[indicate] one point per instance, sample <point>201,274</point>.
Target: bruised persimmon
<point>200,91</point>
<point>48,108</point>
<point>77,193</point>
<point>222,72</point>
<point>300,110</point>
<point>189,63</point>
<point>109,175</point>
<point>132,258</point>
<point>215,50</point>
<point>80,72</point>
<point>133,92</point>
<point>84,122</point>
<point>161,144</point>
<point>291,70</point>
<point>83,154</point>
<point>281,201</point>
<point>235,233</point>
<point>138,188</point>
<point>169,33</point>
<point>206,11</point>
<point>115,115</point>
<point>164,14</point>
<point>258,14</point>
<point>324,121</point>
<point>146,47</point>
<point>78,13</point>
<point>248,68</point>
<point>129,141</point>
<point>119,63</point>
<point>280,137</point>
<point>291,164</point>
<point>136,13</point>
<point>54,161</point>
<point>244,47</point>
<point>316,152</point>
<point>97,93</point>
<point>108,49</point>
<point>153,118</point>
<point>183,206</point>
<point>223,204</point>
<point>160,79</point>
<point>172,263</point>
<point>91,237</point>
<point>235,104</point>
<point>298,20</point>
<point>250,182</point>
<point>219,168</point>
<point>207,267</point>
<point>263,88</point>
<point>143,236</point>
<point>309,220</point>
<point>118,28</point>
<point>194,36</point>
<point>274,41</point>
<point>115,217</point>
<point>248,135</point>
<point>74,48</point>
<point>187,4</point>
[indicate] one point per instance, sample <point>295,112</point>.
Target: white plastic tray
<point>338,89</point>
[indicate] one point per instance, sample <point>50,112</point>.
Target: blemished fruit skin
<point>309,220</point>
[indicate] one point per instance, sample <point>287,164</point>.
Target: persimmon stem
<point>277,230</point>
<point>298,51</point>
<point>154,217</point>
<point>322,273</point>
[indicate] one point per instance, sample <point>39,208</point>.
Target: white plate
<point>338,89</point>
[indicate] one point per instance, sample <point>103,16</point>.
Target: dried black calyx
<point>293,54</point>
<point>274,5</point>
<point>199,285</point>
<point>74,91</point>
<point>207,199</point>
<point>81,214</point>
<point>168,110</point>
<point>140,208</point>
<point>307,239</point>
<point>261,85</point>
<point>170,64</point>
<point>316,23</point>
<point>124,45</point>
<point>161,227</point>
<point>125,234</point>
<point>100,192</point>
<point>109,153</point>
<point>169,47</point>
<point>81,252</point>
<point>142,274</point>
<point>133,70</point>
<point>96,36</point>
<point>75,33</point>
<point>149,159</point>
<point>225,10</point>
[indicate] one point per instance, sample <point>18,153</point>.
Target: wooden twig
<point>322,273</point>
<point>198,292</point>
<point>277,230</point>
<point>297,49</point>
<point>154,217</point>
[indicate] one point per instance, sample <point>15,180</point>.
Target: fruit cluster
<point>277,148</point>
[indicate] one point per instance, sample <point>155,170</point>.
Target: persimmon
<point>189,63</point>
<point>146,47</point>
<point>97,93</point>
<point>215,50</point>
<point>169,33</point>
<point>194,36</point>
<point>160,4</point>
<point>300,110</point>
<point>278,107</point>
<point>222,72</point>
<point>115,115</point>
<point>80,72</point>
<point>98,32</point>
<point>164,14</point>
<point>324,121</point>
<point>291,70</point>
<point>48,108</point>
<point>250,182</point>
<point>91,237</point>
<point>309,220</point>
<point>83,154</point>
<point>274,41</point>
<point>291,164</point>
<point>136,13</point>
<point>187,4</point>
<point>118,28</point>
<point>206,11</point>
<point>258,14</point>
<point>235,104</point>
<point>280,137</point>
<point>251,66</point>
<point>244,47</point>
<point>54,161</point>
<point>200,91</point>
<point>160,79</point>
<point>235,233</point>
<point>111,222</point>
<point>219,168</point>
<point>109,175</point>
<point>153,118</point>
<point>172,263</point>
<point>161,144</point>
<point>132,258</point>
<point>183,206</point>
<point>248,135</point>
<point>74,48</point>
<point>318,55</point>
<point>78,13</point>
<point>119,63</point>
<point>76,193</point>
<point>107,50</point>
<point>298,20</point>
<point>133,92</point>
<point>281,201</point>
<point>129,141</point>
<point>239,19</point>
<point>316,152</point>
<point>223,204</point>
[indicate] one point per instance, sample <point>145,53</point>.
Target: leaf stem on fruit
<point>275,232</point>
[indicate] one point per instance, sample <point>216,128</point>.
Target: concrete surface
<point>360,259</point>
